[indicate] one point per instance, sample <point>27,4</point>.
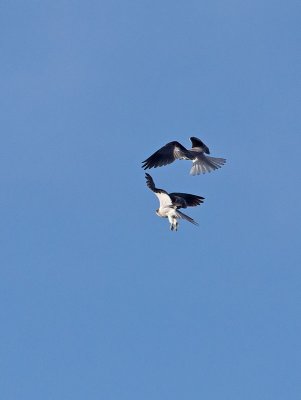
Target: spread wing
<point>162,195</point>
<point>198,143</point>
<point>183,200</point>
<point>166,155</point>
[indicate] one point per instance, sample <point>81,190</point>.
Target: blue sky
<point>99,300</point>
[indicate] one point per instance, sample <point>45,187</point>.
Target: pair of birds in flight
<point>170,203</point>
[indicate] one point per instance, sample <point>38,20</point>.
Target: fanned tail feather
<point>206,164</point>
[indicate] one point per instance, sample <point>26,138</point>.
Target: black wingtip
<point>150,182</point>
<point>146,165</point>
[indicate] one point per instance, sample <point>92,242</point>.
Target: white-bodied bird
<point>175,151</point>
<point>170,203</point>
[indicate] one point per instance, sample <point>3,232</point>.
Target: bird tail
<point>203,164</point>
<point>180,214</point>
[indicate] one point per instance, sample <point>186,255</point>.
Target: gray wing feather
<point>166,155</point>
<point>184,216</point>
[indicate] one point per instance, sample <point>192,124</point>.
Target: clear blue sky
<point>98,299</point>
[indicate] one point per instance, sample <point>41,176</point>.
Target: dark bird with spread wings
<point>175,151</point>
<point>170,203</point>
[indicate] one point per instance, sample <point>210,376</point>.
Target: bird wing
<point>166,155</point>
<point>188,200</point>
<point>198,143</point>
<point>163,196</point>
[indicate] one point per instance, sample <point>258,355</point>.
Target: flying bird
<point>175,151</point>
<point>170,203</point>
